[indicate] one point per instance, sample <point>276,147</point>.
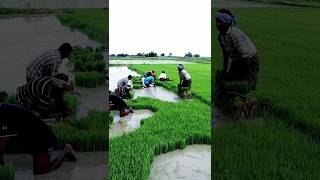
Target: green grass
<point>93,22</point>
<point>7,172</point>
<point>287,41</point>
<point>200,74</point>
<point>173,126</point>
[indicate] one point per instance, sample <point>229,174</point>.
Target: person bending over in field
<point>42,93</point>
<point>33,136</point>
<point>150,73</point>
<point>123,87</point>
<point>48,63</point>
<point>185,78</point>
<point>116,103</point>
<point>236,46</point>
<point>163,76</point>
<point>148,81</point>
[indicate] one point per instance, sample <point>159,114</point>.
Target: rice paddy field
<point>285,144</point>
<point>173,125</point>
<point>88,133</point>
<point>93,22</point>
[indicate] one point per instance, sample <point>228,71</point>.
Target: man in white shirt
<point>163,76</point>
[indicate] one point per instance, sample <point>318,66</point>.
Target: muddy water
<point>243,4</point>
<point>191,163</point>
<point>128,123</point>
<point>148,62</point>
<point>56,4</point>
<point>118,72</point>
<point>157,93</point>
<point>25,38</point>
<point>90,165</point>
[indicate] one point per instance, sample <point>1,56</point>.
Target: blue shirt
<point>148,80</point>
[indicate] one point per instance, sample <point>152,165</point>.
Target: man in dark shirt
<point>34,137</point>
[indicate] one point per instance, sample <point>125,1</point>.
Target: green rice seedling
<point>98,56</point>
<point>137,82</point>
<point>89,79</point>
<point>6,98</point>
<point>3,95</point>
<point>93,22</point>
<point>7,172</point>
<point>86,134</point>
<point>71,102</point>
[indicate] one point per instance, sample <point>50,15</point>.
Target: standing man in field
<point>236,46</point>
<point>48,63</point>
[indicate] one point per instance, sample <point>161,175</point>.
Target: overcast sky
<point>162,26</point>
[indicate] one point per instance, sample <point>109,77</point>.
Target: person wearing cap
<point>47,63</point>
<point>185,78</point>
<point>236,46</point>
<point>33,136</point>
<point>39,94</point>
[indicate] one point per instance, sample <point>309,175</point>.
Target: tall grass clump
<point>89,66</point>
<point>87,134</point>
<point>89,79</point>
<point>7,172</point>
<point>137,82</point>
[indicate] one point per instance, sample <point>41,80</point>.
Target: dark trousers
<point>119,104</point>
<point>245,70</point>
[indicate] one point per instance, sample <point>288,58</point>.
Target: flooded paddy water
<point>118,72</point>
<point>191,163</point>
<point>88,165</point>
<point>128,123</point>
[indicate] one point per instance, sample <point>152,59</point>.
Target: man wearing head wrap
<point>39,94</point>
<point>185,78</point>
<point>238,47</point>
